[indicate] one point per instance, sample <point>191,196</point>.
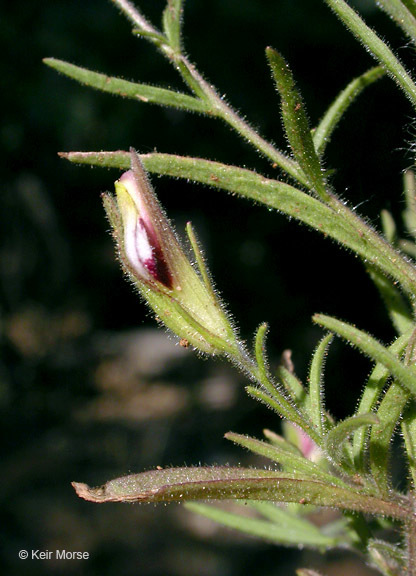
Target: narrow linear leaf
<point>411,6</point>
<point>337,436</point>
<point>296,123</point>
<point>397,308</point>
<point>134,15</point>
<point>285,409</point>
<point>172,16</point>
<point>388,558</point>
<point>406,375</point>
<point>292,384</point>
<point>281,443</point>
<point>290,515</point>
<point>274,194</point>
<point>263,375</point>
<point>290,461</point>
<point>409,435</point>
<point>389,413</point>
<point>409,214</point>
<point>408,247</point>
<point>388,226</point>
<point>323,132</point>
<point>303,533</point>
<point>375,46</point>
<point>316,408</point>
<point>119,87</point>
<point>224,483</point>
<point>403,17</point>
<point>371,394</point>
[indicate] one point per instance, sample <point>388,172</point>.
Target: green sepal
<point>200,260</point>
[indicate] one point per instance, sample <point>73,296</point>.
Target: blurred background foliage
<point>89,389</point>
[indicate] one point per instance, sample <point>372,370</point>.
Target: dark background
<point>89,390</point>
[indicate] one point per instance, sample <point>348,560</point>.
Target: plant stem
<point>375,46</point>
<point>135,16</point>
<point>400,268</point>
<point>410,528</point>
<point>206,91</point>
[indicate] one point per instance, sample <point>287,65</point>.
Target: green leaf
<point>389,413</point>
<point>406,375</point>
<point>172,16</point>
<point>281,443</point>
<point>397,308</point>
<point>409,214</point>
<point>375,46</point>
<point>337,436</point>
<point>287,531</point>
<point>388,558</point>
<point>296,123</point>
<point>290,461</point>
<point>126,89</point>
<point>403,17</point>
<point>225,483</point>
<point>409,435</point>
<point>285,409</point>
<point>275,194</point>
<point>408,247</point>
<point>371,394</point>
<point>411,6</point>
<point>323,132</point>
<point>389,227</point>
<point>292,384</point>
<point>316,408</point>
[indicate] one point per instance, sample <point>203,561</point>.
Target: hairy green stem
<point>376,47</point>
<point>410,528</point>
<point>203,89</point>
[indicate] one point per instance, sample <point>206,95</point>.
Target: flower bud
<point>301,440</point>
<point>153,258</point>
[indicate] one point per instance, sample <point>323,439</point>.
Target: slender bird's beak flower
<point>301,440</point>
<point>181,296</point>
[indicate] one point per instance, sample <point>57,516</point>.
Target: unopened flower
<point>152,256</point>
<point>302,441</point>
